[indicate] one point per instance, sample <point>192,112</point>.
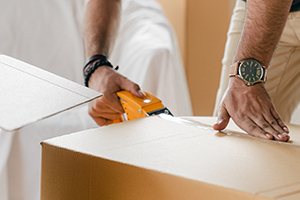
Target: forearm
<point>100,26</point>
<point>263,26</point>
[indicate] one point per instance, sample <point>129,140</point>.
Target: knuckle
<point>252,128</point>
<point>103,100</point>
<point>241,115</point>
<point>265,126</point>
<point>273,122</point>
<point>136,86</point>
<point>91,112</point>
<point>279,122</point>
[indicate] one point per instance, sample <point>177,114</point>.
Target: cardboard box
<point>29,94</point>
<point>156,158</point>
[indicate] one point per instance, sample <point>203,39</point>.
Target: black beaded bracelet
<point>91,66</point>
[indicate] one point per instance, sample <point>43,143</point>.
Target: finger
<point>104,112</point>
<point>279,121</point>
<point>281,134</point>
<point>274,123</point>
<point>264,124</point>
<point>101,121</point>
<point>281,125</point>
<point>108,116</point>
<point>253,129</point>
<point>132,87</point>
<point>101,108</point>
<point>108,103</point>
<point>222,120</point>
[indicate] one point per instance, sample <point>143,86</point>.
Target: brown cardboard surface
<point>154,158</point>
<point>29,94</point>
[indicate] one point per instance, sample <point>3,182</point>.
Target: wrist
<point>237,84</point>
<point>99,77</point>
<point>92,64</point>
<point>94,58</point>
<point>250,71</point>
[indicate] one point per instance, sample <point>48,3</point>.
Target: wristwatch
<point>250,71</point>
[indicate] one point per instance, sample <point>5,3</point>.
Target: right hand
<point>108,107</point>
<point>252,110</point>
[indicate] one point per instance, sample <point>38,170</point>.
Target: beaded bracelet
<point>89,69</point>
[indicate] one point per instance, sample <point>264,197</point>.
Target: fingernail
<point>280,136</point>
<point>219,121</point>
<point>141,92</point>
<point>286,129</point>
<point>286,136</point>
<point>269,136</point>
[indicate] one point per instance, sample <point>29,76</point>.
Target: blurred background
<point>201,28</point>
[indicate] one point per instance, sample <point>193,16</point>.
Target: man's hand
<point>107,81</point>
<point>252,110</point>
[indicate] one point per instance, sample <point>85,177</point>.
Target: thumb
<point>222,120</point>
<point>132,87</point>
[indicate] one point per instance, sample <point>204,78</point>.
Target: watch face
<point>251,71</point>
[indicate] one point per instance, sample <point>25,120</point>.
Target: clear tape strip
<point>203,126</point>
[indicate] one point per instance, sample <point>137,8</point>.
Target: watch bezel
<point>249,83</point>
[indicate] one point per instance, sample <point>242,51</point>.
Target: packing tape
<point>228,132</point>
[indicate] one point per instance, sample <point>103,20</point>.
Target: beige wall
<point>176,12</point>
<point>201,27</point>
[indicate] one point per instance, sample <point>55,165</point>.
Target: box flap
<point>29,94</point>
<point>238,162</point>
